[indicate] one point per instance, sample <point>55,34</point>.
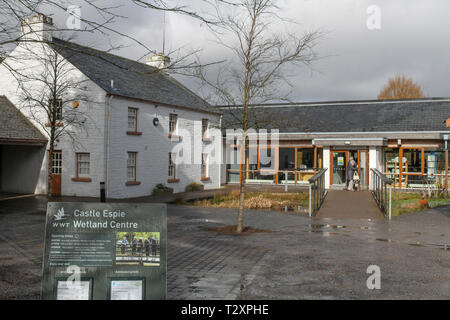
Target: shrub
<point>194,186</point>
<point>161,189</point>
<point>179,200</point>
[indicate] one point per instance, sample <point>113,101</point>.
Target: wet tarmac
<point>307,258</point>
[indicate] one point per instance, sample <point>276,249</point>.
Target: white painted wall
<point>153,148</point>
<point>373,160</point>
<point>89,139</point>
<point>326,164</point>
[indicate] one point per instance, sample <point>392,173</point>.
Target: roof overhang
<point>22,142</point>
<point>348,142</point>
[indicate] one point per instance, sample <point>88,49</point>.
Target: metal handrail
<point>382,192</point>
<point>317,192</point>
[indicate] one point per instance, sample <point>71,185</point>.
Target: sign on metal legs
<point>105,251</point>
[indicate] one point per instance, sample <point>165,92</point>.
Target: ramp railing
<point>382,192</point>
<point>317,192</point>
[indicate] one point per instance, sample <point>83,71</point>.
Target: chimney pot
<point>158,61</point>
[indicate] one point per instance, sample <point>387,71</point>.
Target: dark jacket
<point>351,170</point>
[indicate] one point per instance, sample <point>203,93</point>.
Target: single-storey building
<point>22,150</point>
<point>405,139</point>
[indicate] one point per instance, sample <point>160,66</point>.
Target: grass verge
<point>256,200</point>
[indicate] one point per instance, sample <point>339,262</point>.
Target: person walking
<point>352,167</point>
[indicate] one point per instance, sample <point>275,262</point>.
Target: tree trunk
<point>51,150</point>
<point>240,222</point>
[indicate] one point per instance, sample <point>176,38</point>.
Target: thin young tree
<point>54,96</point>
<point>400,87</point>
<point>260,66</point>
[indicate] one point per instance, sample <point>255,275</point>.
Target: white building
<point>141,127</point>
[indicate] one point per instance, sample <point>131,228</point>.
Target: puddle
<point>322,226</point>
<point>385,240</point>
<point>417,244</point>
<point>444,247</point>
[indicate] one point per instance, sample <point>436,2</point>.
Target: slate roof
<point>15,127</point>
<point>132,79</point>
<point>356,116</point>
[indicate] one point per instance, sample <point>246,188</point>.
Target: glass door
<point>363,160</point>
<point>339,162</point>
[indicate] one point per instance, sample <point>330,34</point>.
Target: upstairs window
<point>132,119</point>
<point>56,109</point>
<point>173,123</point>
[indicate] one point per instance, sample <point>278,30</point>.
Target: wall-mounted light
<point>347,143</point>
<point>155,121</point>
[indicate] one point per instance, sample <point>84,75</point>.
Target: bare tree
<point>258,70</point>
<point>400,87</point>
<point>53,95</point>
<point>14,13</point>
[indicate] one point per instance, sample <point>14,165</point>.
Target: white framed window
<point>132,119</point>
<point>204,128</point>
<point>56,109</point>
<point>172,166</point>
<point>173,123</point>
<point>131,166</point>
<point>204,169</point>
<point>83,164</point>
<point>57,162</point>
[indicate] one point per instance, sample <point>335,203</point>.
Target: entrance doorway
<point>339,161</point>
<point>56,173</point>
<point>339,171</point>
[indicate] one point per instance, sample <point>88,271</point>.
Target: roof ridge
<point>340,103</point>
<point>106,52</point>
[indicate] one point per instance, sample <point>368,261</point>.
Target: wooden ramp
<point>349,205</point>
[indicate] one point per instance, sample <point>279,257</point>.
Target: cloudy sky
<point>414,39</point>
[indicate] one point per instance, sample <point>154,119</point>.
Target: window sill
<point>134,133</point>
<point>132,183</point>
<point>78,179</point>
<point>173,180</point>
<point>205,179</point>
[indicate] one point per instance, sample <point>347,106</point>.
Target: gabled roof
<point>15,127</point>
<point>353,116</point>
<point>131,79</point>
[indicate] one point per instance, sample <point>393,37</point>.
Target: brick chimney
<point>158,61</point>
<point>37,27</point>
